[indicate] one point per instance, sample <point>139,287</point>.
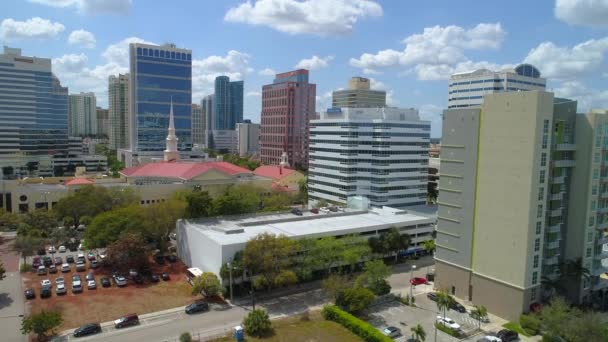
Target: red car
<point>418,281</point>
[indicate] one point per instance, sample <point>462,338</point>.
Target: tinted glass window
<point>163,83</point>
<point>164,69</point>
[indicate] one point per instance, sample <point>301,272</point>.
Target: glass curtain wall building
<point>228,103</point>
<point>159,75</point>
<point>33,106</point>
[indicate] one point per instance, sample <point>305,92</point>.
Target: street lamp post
<point>411,283</point>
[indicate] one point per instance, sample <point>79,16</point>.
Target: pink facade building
<point>287,106</point>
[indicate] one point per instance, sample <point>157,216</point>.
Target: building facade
<point>118,109</point>
<point>223,141</point>
<point>227,103</point>
<point>31,92</point>
<point>248,138</point>
<point>207,117</point>
<point>198,128</point>
<point>359,94</point>
<point>82,114</point>
<point>378,153</point>
<point>466,89</point>
<point>159,76</point>
<point>287,106</point>
<point>103,122</point>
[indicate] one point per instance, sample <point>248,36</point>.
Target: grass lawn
<point>304,328</point>
<point>513,326</point>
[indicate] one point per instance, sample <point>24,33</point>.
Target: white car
<point>120,280</point>
<point>489,338</point>
<point>46,282</point>
<point>324,210</point>
<point>80,266</point>
<point>61,289</point>
<point>391,332</point>
<point>91,285</point>
<point>52,249</point>
<point>65,267</point>
<point>448,322</point>
<point>62,249</point>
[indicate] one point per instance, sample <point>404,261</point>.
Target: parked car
<point>418,281</point>
<point>69,259</point>
<point>80,266</point>
<point>36,262</point>
<point>171,258</point>
<point>45,292</point>
<point>138,279</point>
<point>154,278</point>
<point>507,335</point>
<point>296,211</point>
<point>62,249</point>
<point>46,282</point>
<point>47,261</point>
<point>432,296</point>
<point>87,329</point>
<point>30,293</point>
<point>80,257</point>
<point>91,285</point>
<point>89,276</point>
<point>65,268</point>
<point>314,210</point>
<point>333,209</point>
<point>60,289</point>
<point>324,210</point>
<point>198,306</point>
<point>133,273</point>
<point>126,320</point>
<point>91,256</point>
<point>59,280</point>
<point>484,319</point>
<point>448,322</point>
<point>76,284</point>
<point>53,269</point>
<point>94,264</point>
<point>52,249</point>
<point>120,280</point>
<point>457,307</point>
<point>41,270</point>
<point>391,332</point>
<point>105,282</point>
<point>489,338</point>
<point>165,276</point>
<point>58,260</point>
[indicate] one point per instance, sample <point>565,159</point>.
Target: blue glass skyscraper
<point>228,103</point>
<point>33,107</point>
<point>159,74</point>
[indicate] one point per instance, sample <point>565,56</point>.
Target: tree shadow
<point>5,300</point>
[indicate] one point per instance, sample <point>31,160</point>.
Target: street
<point>11,294</point>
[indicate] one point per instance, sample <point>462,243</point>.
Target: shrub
<point>530,324</point>
<point>257,323</point>
<point>407,300</point>
<point>185,337</point>
<point>355,300</point>
<point>25,268</point>
<point>447,330</point>
<point>380,288</point>
<point>358,327</point>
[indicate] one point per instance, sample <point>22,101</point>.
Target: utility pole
<point>411,283</point>
<point>230,271</point>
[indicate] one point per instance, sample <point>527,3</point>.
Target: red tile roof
<point>181,170</point>
<point>273,171</point>
<point>78,181</point>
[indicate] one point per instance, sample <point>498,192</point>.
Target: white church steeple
<point>171,152</point>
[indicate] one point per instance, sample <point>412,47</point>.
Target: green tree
<point>185,337</point>
<point>429,246</point>
<point>276,202</point>
<point>42,324</point>
<point>257,323</point>
<point>328,251</point>
<point>2,271</point>
<point>444,301</point>
<point>26,245</point>
<point>418,333</point>
<point>374,277</point>
<point>303,190</point>
<point>479,312</point>
<point>305,260</point>
<point>107,227</point>
<point>355,249</point>
<point>355,300</point>
<point>41,220</point>
<point>237,200</point>
<point>589,326</point>
<point>285,278</point>
<point>160,220</point>
<point>208,284</point>
<point>198,204</point>
<point>8,220</point>
<point>128,251</point>
<point>267,256</point>
<point>395,241</point>
<point>334,285</point>
<point>554,316</point>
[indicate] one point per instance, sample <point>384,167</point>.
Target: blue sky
<point>407,47</point>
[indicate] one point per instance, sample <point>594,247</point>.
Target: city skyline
<point>411,61</point>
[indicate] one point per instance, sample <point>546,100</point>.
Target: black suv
<point>296,211</point>
<point>87,329</point>
<point>197,307</point>
<point>507,335</point>
<point>105,282</point>
<point>30,294</point>
<point>432,296</point>
<point>69,259</point>
<point>45,292</point>
<point>458,307</point>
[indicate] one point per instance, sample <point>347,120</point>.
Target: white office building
<point>466,89</point>
<point>378,153</point>
<point>248,138</point>
<point>82,114</point>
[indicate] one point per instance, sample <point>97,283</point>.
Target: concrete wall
<point>450,277</point>
<point>500,299</point>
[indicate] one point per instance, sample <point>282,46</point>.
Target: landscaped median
<point>448,330</point>
<point>360,328</point>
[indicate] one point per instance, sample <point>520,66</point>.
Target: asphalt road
<point>11,295</point>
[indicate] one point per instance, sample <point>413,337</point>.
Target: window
<point>591,221</point>
<point>543,159</point>
<point>545,140</point>
<point>534,278</point>
<point>589,236</point>
<point>533,294</point>
<point>539,226</point>
<point>542,177</point>
<point>539,210</point>
<point>596,157</point>
<point>594,190</point>
<point>596,173</point>
<point>545,126</point>
<point>541,194</point>
<point>536,257</point>
<point>588,252</point>
<point>593,205</point>
<point>537,244</point>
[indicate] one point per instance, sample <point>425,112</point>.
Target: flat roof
<point>237,230</point>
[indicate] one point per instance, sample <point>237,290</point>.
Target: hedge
<point>447,330</point>
<point>358,327</point>
<point>530,324</point>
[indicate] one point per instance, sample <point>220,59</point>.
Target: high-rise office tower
<point>359,94</point>
<point>378,153</point>
<point>82,114</point>
<point>159,76</point>
<point>227,103</point>
<point>207,117</point>
<point>248,138</point>
<point>103,122</point>
<point>466,89</point>
<point>287,106</point>
<point>198,128</point>
<point>34,109</point>
<point>118,108</point>
<point>506,169</point>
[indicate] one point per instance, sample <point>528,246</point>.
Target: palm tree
<point>429,246</point>
<point>418,333</point>
<point>444,301</point>
<point>574,269</point>
<point>479,312</point>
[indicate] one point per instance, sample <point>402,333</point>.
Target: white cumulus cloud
<point>583,12</point>
<point>267,72</point>
<point>253,94</point>
<point>320,17</point>
<point>204,71</point>
<point>435,52</point>
<point>314,63</point>
<point>82,37</point>
<point>90,6</point>
<point>35,27</point>
<point>561,62</point>
<point>587,98</point>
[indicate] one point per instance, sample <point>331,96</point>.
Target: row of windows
<point>163,54</point>
<point>370,134</point>
<point>373,143</point>
<point>163,83</point>
<point>352,161</point>
<point>381,125</point>
<point>369,179</point>
<point>373,152</point>
<point>497,80</point>
<point>475,89</point>
<point>347,170</point>
<point>144,94</point>
<point>31,72</point>
<point>464,98</point>
<point>164,69</point>
<point>371,188</point>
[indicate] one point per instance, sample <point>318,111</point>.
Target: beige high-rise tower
<point>359,95</point>
<point>118,111</point>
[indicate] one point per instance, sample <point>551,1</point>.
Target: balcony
<point>604,194</point>
<point>564,163</point>
<point>565,147</point>
<point>603,210</point>
<point>556,228</point>
<point>555,212</point>
<point>602,226</point>
<point>557,197</point>
<point>602,240</point>
<point>551,261</point>
<point>552,245</point>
